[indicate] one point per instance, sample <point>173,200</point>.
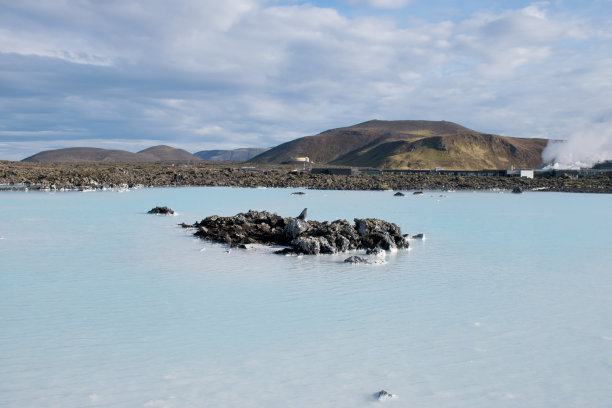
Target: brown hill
<point>93,154</point>
<point>167,153</point>
<point>242,154</point>
<point>410,144</point>
<point>332,144</point>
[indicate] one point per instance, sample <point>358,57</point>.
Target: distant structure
<point>304,159</point>
<point>526,173</point>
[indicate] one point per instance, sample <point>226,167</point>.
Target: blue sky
<point>204,74</point>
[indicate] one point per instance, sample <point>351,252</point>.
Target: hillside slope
<point>93,154</point>
<point>410,144</point>
<point>334,143</point>
<point>242,154</point>
<point>468,151</point>
<point>167,153</point>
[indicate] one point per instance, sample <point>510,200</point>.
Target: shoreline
<point>100,176</point>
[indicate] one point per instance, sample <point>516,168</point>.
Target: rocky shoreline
<point>301,236</point>
<point>107,176</point>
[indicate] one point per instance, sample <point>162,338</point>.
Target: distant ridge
<point>92,154</point>
<point>167,153</point>
<point>242,154</point>
<point>410,144</point>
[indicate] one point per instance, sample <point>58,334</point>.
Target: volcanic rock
<point>161,211</point>
<point>383,395</point>
<point>357,260</point>
<point>300,236</point>
<point>303,214</point>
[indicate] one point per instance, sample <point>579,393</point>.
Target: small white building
<point>520,173</point>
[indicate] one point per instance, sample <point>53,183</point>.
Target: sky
<point>206,74</point>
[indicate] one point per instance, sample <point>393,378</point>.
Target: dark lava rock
<point>303,214</point>
<point>357,260</point>
<point>517,190</point>
<point>418,236</point>
<point>399,194</point>
<point>374,251</point>
<point>299,235</point>
<point>161,211</point>
<point>383,395</point>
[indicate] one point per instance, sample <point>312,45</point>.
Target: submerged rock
<point>399,194</point>
<point>299,235</point>
<point>161,210</point>
<point>383,395</point>
<point>357,260</point>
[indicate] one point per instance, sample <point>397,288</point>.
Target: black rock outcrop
<point>357,260</point>
<point>383,395</point>
<point>298,235</point>
<point>161,211</point>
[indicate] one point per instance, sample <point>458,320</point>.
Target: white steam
<point>582,149</point>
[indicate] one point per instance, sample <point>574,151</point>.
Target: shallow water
<point>506,303</point>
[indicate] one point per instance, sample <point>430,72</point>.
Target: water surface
<point>506,303</point>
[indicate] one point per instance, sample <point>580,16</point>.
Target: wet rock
<point>517,190</point>
<point>161,211</point>
<point>417,193</point>
<point>298,193</point>
<point>308,246</point>
<point>399,194</point>
<point>294,228</point>
<point>418,236</point>
<point>357,260</point>
<point>375,251</point>
<point>300,236</point>
<point>383,395</point>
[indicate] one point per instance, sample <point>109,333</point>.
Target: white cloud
<point>381,4</point>
<point>246,72</point>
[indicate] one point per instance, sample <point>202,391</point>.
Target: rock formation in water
<point>299,235</point>
<point>383,395</point>
<point>165,210</point>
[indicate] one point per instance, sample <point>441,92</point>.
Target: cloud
<point>381,4</point>
<point>248,73</point>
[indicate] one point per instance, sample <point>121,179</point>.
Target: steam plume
<point>582,149</point>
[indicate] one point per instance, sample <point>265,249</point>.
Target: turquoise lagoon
<point>506,303</point>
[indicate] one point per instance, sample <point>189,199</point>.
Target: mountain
<point>93,154</point>
<point>167,153</point>
<point>410,144</point>
<point>243,154</point>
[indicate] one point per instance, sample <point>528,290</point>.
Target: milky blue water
<point>507,303</point>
